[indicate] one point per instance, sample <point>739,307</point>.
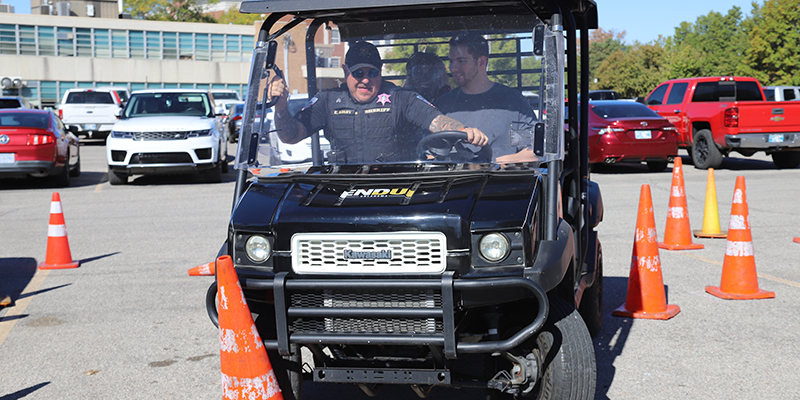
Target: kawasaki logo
<point>367,255</point>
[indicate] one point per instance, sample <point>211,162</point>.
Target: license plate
<point>6,158</point>
<point>90,127</point>
<point>643,135</point>
<point>776,138</point>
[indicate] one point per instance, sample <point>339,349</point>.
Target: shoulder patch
<point>311,102</point>
<point>419,96</point>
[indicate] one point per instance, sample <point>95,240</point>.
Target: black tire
<point>570,371</point>
<point>657,166</point>
<point>214,175</point>
<point>62,179</point>
<point>591,307</point>
<point>76,170</point>
<point>232,137</point>
<point>786,159</point>
<point>116,178</point>
<point>705,153</point>
<point>223,159</point>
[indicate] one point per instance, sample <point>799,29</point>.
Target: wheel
<point>62,179</point>
<point>223,159</point>
<point>117,178</point>
<point>214,175</point>
<point>657,166</point>
<point>288,370</point>
<point>705,153</point>
<point>76,170</point>
<point>565,354</point>
<point>591,307</point>
<point>449,146</point>
<point>786,159</point>
<point>232,137</point>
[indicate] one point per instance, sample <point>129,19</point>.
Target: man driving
<point>368,120</point>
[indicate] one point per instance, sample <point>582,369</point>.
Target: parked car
<point>90,112</point>
<point>14,102</point>
<point>234,121</point>
<point>717,115</point>
<point>602,95</point>
<point>782,93</point>
<point>626,131</point>
<point>301,151</point>
<point>223,96</point>
<point>168,131</point>
<point>35,144</point>
<point>121,92</point>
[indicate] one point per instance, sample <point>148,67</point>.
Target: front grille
<point>373,299</point>
<point>161,158</point>
<point>369,253</point>
<point>159,135</point>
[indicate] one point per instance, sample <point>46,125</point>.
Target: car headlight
<point>494,247</point>
<point>205,132</point>
<point>122,135</point>
<point>257,248</point>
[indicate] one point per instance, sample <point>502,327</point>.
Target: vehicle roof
<point>24,110</point>
<point>712,78</point>
<point>112,87</point>
<point>339,10</point>
<point>97,89</point>
<point>170,91</point>
<point>224,90</point>
<point>615,103</point>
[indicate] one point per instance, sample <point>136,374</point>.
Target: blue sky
<point>641,20</point>
<point>645,20</point>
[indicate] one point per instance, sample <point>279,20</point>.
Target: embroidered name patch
<point>344,112</point>
<point>377,110</point>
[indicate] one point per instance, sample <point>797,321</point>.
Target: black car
<point>441,267</point>
<point>234,121</point>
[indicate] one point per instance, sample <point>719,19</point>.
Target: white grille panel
<point>369,253</point>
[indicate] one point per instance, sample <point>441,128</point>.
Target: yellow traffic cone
<point>711,214</point>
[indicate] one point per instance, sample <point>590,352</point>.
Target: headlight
<point>257,248</point>
<point>204,132</point>
<point>493,247</point>
<point>122,135</point>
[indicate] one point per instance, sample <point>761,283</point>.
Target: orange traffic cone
<point>739,278</point>
<point>246,370</point>
<point>797,240</point>
<point>6,301</point>
<point>678,234</point>
<point>58,254</point>
<point>711,212</point>
<point>646,296</point>
<point>206,269</point>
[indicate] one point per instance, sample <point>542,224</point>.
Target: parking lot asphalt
<point>130,324</point>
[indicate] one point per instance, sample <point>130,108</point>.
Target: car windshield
<point>24,120</point>
<point>417,82</point>
<point>189,104</point>
<point>10,103</point>
<point>90,98</point>
<point>225,96</point>
<point>622,110</point>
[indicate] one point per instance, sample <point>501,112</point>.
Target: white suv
<point>168,131</point>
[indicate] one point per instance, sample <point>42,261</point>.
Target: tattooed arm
<point>445,123</point>
<point>290,130</point>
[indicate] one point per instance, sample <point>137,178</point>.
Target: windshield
<point>26,120</point>
<point>225,96</point>
<point>622,110</point>
<point>188,104</point>
<point>90,98</point>
<point>391,114</point>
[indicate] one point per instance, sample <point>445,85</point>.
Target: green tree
<point>602,44</point>
<point>166,10</point>
<point>774,41</point>
<point>718,43</point>
<point>634,72</point>
<point>233,16</point>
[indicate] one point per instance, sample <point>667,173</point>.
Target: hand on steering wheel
<point>450,146</point>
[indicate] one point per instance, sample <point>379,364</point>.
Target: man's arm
<point>290,130</point>
<point>445,123</point>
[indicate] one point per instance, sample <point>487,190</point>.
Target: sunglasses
<point>359,74</point>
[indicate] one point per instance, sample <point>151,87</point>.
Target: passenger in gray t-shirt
<point>478,102</point>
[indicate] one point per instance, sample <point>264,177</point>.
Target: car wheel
<point>786,159</point>
<point>214,175</point>
<point>76,170</point>
<point>116,178</point>
<point>705,153</point>
<point>657,166</point>
<point>232,138</point>
<point>223,159</point>
<point>62,179</point>
<point>565,354</point>
<point>591,308</point>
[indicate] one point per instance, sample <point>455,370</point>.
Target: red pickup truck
<point>717,115</point>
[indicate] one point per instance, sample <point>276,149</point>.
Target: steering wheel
<point>450,146</point>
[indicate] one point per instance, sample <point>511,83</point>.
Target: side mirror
<point>73,129</point>
<point>219,111</point>
<point>118,112</point>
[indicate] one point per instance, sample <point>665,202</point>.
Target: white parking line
<point>760,275</point>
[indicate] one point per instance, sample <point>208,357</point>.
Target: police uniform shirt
<point>383,130</point>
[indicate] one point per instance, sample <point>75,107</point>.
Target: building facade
<point>49,54</point>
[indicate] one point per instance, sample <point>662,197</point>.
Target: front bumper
<point>163,156</point>
<point>763,141</point>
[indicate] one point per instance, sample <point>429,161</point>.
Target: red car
<point>35,143</point>
<point>626,131</point>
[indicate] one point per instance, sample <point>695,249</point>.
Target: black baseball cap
<point>363,54</point>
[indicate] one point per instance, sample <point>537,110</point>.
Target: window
<point>102,47</point>
<point>217,47</point>
<point>335,37</point>
<point>137,86</point>
<point>27,40</point>
<point>770,94</point>
<point>788,94</point>
<point>657,97</point>
<point>8,39</point>
<point>154,45</point>
<point>186,46</point>
<point>677,92</point>
<point>247,47</point>
<point>233,48</point>
<point>136,44</point>
<point>705,91</point>
<point>83,41</point>
<point>748,91</point>
<point>201,47</point>
<point>119,44</point>
<point>49,92</point>
<point>90,98</point>
<point>170,45</point>
<point>66,44</point>
<point>63,87</point>
<point>622,110</point>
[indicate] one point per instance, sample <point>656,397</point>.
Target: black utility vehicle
<point>443,269</point>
